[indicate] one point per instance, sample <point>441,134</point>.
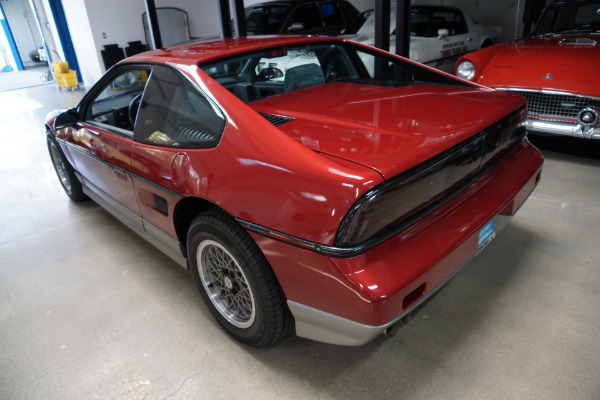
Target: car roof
<point>195,53</point>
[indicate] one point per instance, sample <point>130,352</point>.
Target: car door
<point>177,124</point>
<point>101,143</point>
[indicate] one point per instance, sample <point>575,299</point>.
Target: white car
<point>439,35</point>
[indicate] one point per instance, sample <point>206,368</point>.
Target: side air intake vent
<point>276,119</point>
<point>160,203</point>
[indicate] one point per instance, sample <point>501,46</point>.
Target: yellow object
<point>60,66</point>
<point>65,77</point>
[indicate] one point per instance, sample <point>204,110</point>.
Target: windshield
<point>570,17</point>
<point>266,19</point>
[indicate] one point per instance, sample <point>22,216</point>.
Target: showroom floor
<point>90,310</point>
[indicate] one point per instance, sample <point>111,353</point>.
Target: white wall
<point>56,45</point>
<point>121,21</point>
<point>83,41</point>
<point>6,56</point>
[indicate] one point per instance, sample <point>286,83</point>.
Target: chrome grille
<point>552,105</point>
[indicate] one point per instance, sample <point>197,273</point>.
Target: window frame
<point>214,104</point>
<point>90,97</point>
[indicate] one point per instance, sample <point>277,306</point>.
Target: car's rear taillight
<point>398,203</point>
<point>404,198</point>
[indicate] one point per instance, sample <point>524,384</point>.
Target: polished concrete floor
<point>88,310</point>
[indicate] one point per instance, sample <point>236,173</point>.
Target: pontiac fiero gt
<point>307,193</point>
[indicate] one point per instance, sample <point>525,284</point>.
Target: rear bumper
<point>349,301</point>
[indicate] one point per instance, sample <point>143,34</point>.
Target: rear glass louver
<point>276,119</point>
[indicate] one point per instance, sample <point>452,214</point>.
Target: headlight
<point>466,70</point>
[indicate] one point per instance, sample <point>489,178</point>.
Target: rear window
<point>272,72</point>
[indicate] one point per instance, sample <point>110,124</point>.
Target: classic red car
<point>556,69</point>
<point>305,194</point>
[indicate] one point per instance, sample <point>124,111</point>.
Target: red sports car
<point>305,193</point>
<point>556,69</point>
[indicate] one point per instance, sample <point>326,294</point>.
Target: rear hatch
<point>387,129</point>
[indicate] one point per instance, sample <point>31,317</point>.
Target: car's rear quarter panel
<point>370,288</point>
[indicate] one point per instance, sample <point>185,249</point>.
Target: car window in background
<point>174,113</point>
<point>588,14</point>
<point>448,19</point>
<point>111,105</point>
<point>419,23</point>
<point>349,11</point>
<point>266,19</point>
<point>332,15</point>
<point>570,17</point>
<point>308,15</point>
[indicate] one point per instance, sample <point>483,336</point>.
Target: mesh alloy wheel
<point>60,167</point>
<point>226,284</point>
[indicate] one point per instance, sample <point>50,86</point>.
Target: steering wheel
<point>132,110</point>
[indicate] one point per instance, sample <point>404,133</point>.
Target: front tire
<point>64,171</point>
<point>236,281</point>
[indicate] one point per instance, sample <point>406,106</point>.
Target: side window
<point>308,15</point>
<point>174,113</point>
<point>458,24</point>
<point>116,104</point>
<point>419,23</point>
<point>350,13</point>
<point>451,20</point>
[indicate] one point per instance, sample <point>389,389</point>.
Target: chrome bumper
<point>563,128</point>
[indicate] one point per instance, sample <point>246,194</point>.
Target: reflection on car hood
<point>387,129</point>
<point>574,52</point>
<point>552,62</point>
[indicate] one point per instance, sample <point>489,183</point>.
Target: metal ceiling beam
<point>240,18</point>
<point>382,24</point>
<point>382,35</point>
<point>153,24</point>
<point>403,28</point>
<point>225,19</point>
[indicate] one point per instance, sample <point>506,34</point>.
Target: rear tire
<point>236,281</point>
<point>64,170</point>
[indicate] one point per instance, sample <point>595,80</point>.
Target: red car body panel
<point>372,288</point>
<point>371,125</point>
<point>525,62</point>
<point>297,182</point>
<point>556,69</point>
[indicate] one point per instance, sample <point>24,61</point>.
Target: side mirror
<point>443,33</point>
<point>66,118</point>
<point>296,27</point>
